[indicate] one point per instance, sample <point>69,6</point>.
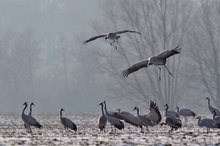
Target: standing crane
<point>30,113</point>
<point>185,112</point>
<point>29,120</point>
<point>173,122</point>
<point>113,121</point>
<point>212,109</point>
<point>102,120</point>
<point>145,121</point>
<point>67,123</point>
<point>170,113</point>
<point>208,123</point>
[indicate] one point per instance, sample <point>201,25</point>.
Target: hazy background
<point>42,58</point>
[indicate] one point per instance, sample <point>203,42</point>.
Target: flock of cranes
<point>157,60</point>
<point>116,119</point>
<point>154,117</point>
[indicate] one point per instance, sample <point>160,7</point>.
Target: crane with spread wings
<point>114,36</point>
<point>157,60</point>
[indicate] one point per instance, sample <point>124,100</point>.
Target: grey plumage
<point>102,120</point>
<point>216,118</point>
<point>30,113</point>
<point>208,123</point>
<point>173,122</point>
<point>112,120</point>
<point>185,113</point>
<point>67,123</point>
<point>154,115</point>
<point>170,113</point>
<point>114,36</point>
<point>212,109</point>
<point>159,59</point>
<point>128,118</point>
<point>145,121</point>
<point>29,120</point>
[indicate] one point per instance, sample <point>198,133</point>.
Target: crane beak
<point>134,108</point>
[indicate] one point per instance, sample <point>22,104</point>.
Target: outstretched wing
<point>124,31</point>
<point>135,67</point>
<point>94,38</point>
<point>169,53</point>
<point>129,118</point>
<point>154,115</point>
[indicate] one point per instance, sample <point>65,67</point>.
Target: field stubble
<point>12,132</point>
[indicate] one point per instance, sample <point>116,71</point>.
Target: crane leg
<point>186,120</point>
<point>112,43</point>
<point>159,72</point>
<point>168,69</point>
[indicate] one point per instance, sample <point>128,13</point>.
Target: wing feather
<point>168,53</point>
<point>94,38</point>
<point>124,31</point>
<point>135,67</point>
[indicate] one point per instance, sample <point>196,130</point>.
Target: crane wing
<point>33,122</point>
<point>129,118</point>
<point>125,31</point>
<point>154,114</point>
<point>68,123</point>
<point>135,67</point>
<point>94,38</point>
<point>168,53</point>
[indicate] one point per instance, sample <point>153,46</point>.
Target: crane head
<point>207,98</point>
<point>101,103</point>
<point>199,117</point>
<point>214,113</point>
<point>62,109</point>
<point>135,108</point>
<point>32,103</point>
<point>25,103</point>
<point>118,110</point>
<point>166,106</point>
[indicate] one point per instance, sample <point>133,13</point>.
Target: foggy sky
<point>48,21</point>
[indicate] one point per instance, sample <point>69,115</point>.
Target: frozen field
<point>12,132</point>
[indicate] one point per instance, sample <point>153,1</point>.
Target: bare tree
<point>162,25</point>
<point>204,43</point>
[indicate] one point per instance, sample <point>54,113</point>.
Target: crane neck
<point>214,115</point>
<point>208,101</point>
<point>178,110</point>
<point>102,110</point>
<point>30,110</point>
<point>167,107</point>
<point>199,119</point>
<point>60,114</point>
<point>24,109</point>
<point>138,111</point>
<point>106,112</point>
